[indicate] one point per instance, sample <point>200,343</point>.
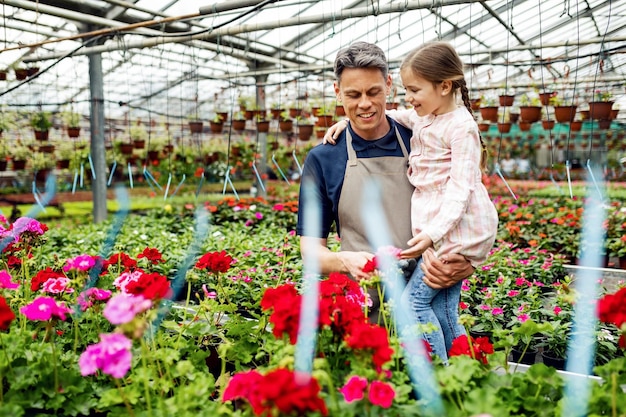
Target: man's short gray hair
<point>361,55</point>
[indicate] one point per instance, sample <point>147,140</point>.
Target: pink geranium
<point>112,356</point>
<point>354,389</point>
<point>80,263</point>
<point>45,308</point>
<point>123,308</point>
<point>86,298</point>
<point>5,281</point>
<point>57,286</point>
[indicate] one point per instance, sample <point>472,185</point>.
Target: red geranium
<point>121,259</point>
<point>478,350</point>
<point>612,309</point>
<point>42,276</point>
<point>151,254</point>
<point>215,261</point>
<point>6,314</point>
<point>280,390</point>
<point>152,286</point>
<point>285,302</point>
<point>371,336</point>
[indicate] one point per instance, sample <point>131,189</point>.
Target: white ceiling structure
<point>161,58</point>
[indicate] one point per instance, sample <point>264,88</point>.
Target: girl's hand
<point>333,132</point>
<point>418,245</point>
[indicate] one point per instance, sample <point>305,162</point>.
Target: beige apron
<point>396,191</point>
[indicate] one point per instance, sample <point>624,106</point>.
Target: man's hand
<point>353,263</point>
<point>444,272</point>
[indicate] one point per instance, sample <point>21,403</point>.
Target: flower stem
<point>126,403</point>
<point>144,354</point>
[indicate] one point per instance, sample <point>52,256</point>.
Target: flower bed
<point>88,328</point>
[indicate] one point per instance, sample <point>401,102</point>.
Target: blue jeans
<point>439,307</point>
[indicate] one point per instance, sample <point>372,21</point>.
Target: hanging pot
<point>489,113</point>
<point>73,132</point>
<point>42,135</point>
<point>506,100</point>
<point>239,124</point>
<point>305,132</point>
<point>547,124</point>
<point>564,114</point>
<point>576,125</point>
<point>195,126</point>
<point>530,113</point>
<point>600,110</point>
<point>504,127</point>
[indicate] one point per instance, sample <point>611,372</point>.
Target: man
<point>372,147</point>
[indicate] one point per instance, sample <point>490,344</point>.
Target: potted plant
<point>72,123</point>
<point>285,123</point>
<point>506,98</point>
<point>305,127</point>
<point>488,109</point>
<point>239,121</point>
<point>217,123</point>
<point>138,135</point>
<point>63,154</point>
<point>563,113</point>
<point>41,122</point>
<point>530,108</point>
<point>600,107</point>
<point>19,154</point>
<point>504,122</point>
<point>4,155</point>
<point>7,120</point>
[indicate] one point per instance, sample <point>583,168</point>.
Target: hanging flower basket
<point>483,127</point>
<point>564,114</point>
<point>195,127</point>
<point>294,112</point>
<point>139,144</point>
<point>126,148</point>
<point>63,164</point>
<point>73,132</point>
<point>604,124</point>
<point>489,113</point>
<point>239,124</point>
<point>285,125</point>
<point>340,111</point>
<point>600,110</point>
<point>576,125</point>
<point>324,120</point>
<point>475,104</point>
<point>547,124</point>
<point>530,113</point>
<point>263,126</point>
<point>216,127</point>
<point>3,165</point>
<point>506,100</point>
<point>504,127</point>
<point>305,132</point>
<point>545,97</point>
<point>19,165</point>
<point>524,125</point>
<point>42,135</point>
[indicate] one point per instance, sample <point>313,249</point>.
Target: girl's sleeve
<point>465,171</point>
<point>401,116</point>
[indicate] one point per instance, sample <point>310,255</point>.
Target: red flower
<point>381,394</point>
<point>370,266</point>
<point>6,314</point>
<point>42,276</point>
<point>215,261</point>
<point>152,286</point>
<point>286,302</point>
<point>371,336</point>
<point>278,390</point>
<point>121,259</point>
<point>612,308</point>
<point>480,347</point>
<point>151,254</point>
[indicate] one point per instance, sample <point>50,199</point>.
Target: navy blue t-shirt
<point>325,166</point>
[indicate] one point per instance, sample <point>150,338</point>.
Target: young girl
<point>456,214</point>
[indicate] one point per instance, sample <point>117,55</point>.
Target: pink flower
<point>278,207</point>
<point>207,293</point>
<point>381,394</point>
<point>484,307</point>
<point>520,281</point>
<point>557,310</point>
<point>26,224</point>
<point>86,298</point>
<point>124,307</point>
<point>122,281</point>
<point>523,317</point>
<point>512,293</point>
<point>5,281</point>
<point>80,263</point>
<point>112,356</point>
<point>354,389</point>
<point>44,308</point>
<point>497,311</point>
<point>57,286</point>
<point>258,215</point>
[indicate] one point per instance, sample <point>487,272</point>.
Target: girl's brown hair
<point>437,62</point>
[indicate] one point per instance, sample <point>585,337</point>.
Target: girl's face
<point>425,97</point>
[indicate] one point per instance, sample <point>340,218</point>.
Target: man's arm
<point>346,262</point>
<point>445,272</point>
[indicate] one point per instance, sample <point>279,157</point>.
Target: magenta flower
<point>123,308</point>
<point>207,293</point>
<point>86,298</point>
<point>512,293</point>
<point>44,308</point>
<point>523,317</point>
<point>57,286</point>
<point>112,356</point>
<point>381,394</point>
<point>80,263</point>
<point>258,215</point>
<point>354,389</point>
<point>557,310</point>
<point>497,311</point>
<point>26,224</point>
<point>5,281</point>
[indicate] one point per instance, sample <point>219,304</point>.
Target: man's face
<point>363,92</point>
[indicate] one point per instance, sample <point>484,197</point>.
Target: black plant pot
<point>549,359</point>
<point>528,358</point>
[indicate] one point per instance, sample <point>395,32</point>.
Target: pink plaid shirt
<point>450,203</point>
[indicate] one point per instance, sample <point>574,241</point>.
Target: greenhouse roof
<point>167,58</point>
